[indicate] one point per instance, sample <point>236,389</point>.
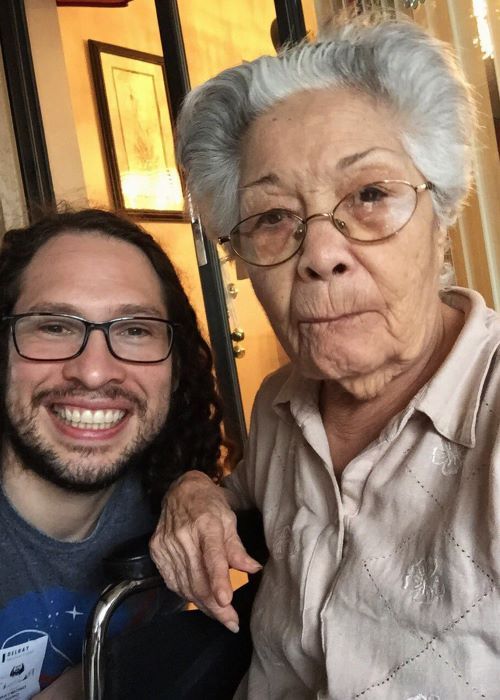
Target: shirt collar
<point>301,393</point>
<point>451,399</point>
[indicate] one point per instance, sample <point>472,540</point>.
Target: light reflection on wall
<point>480,10</point>
<point>152,189</point>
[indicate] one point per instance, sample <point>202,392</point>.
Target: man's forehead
<point>91,270</point>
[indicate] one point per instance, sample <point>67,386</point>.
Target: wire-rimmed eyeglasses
<point>372,213</point>
<point>51,337</point>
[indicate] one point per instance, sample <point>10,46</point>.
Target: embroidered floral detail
<point>449,457</point>
<point>283,544</point>
<point>424,697</point>
<point>423,582</point>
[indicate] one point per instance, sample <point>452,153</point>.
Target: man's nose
<point>95,366</point>
<point>325,251</point>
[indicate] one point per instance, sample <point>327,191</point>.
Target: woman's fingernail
<point>233,627</point>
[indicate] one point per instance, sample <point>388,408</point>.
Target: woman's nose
<point>96,366</point>
<point>325,251</point>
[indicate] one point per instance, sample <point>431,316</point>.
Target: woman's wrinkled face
<point>341,310</point>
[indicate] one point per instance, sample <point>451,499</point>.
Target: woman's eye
<point>371,194</point>
<point>271,218</point>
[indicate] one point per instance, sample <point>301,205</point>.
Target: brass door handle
<point>238,352</point>
<point>237,335</point>
<point>232,290</point>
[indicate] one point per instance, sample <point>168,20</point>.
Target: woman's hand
<point>196,543</point>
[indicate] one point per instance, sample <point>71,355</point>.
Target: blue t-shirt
<point>49,587</point>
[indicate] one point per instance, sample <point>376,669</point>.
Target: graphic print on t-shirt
<point>41,634</point>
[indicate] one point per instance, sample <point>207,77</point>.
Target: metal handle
<point>93,647</point>
<point>238,334</point>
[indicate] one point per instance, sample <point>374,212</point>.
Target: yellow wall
<point>224,33</point>
<point>221,34</point>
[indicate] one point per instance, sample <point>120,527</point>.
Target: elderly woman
<point>333,171</point>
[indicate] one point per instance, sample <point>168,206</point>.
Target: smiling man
<point>107,395</point>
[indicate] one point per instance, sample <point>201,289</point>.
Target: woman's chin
<point>368,386</point>
<point>363,377</point>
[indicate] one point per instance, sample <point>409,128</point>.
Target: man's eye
<point>54,329</point>
<point>136,331</point>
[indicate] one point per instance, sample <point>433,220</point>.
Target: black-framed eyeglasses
<point>51,337</point>
<point>372,213</point>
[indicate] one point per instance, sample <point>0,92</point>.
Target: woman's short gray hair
<point>392,61</point>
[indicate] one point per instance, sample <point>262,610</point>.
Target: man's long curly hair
<point>191,437</point>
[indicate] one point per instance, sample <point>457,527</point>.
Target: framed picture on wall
<point>134,112</point>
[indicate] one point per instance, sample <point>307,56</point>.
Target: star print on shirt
<point>73,612</point>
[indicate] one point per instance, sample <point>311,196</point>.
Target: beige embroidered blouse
<point>387,586</point>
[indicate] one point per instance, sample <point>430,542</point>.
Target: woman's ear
<point>442,242</point>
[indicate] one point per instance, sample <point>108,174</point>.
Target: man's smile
<point>87,419</point>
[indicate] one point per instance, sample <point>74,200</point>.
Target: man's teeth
<point>90,420</point>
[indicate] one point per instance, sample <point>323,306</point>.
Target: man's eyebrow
<point>117,311</point>
<point>140,310</point>
<point>54,308</point>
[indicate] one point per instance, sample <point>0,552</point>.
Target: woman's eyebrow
<point>342,164</point>
<point>347,161</point>
<point>269,179</point>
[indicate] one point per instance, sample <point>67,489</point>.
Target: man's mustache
<point>109,392</point>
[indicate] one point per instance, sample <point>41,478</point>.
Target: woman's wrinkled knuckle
<point>201,590</point>
<point>184,531</point>
<point>205,522</point>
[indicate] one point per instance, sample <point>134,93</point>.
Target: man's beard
<point>31,452</point>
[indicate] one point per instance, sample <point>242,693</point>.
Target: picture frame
<point>136,125</point>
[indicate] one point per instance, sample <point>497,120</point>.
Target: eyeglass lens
<point>59,337</point>
<point>375,211</point>
<point>371,213</point>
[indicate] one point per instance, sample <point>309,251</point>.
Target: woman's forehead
<point>331,127</point>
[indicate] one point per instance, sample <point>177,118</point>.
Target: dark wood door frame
<point>25,107</point>
<point>290,18</point>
